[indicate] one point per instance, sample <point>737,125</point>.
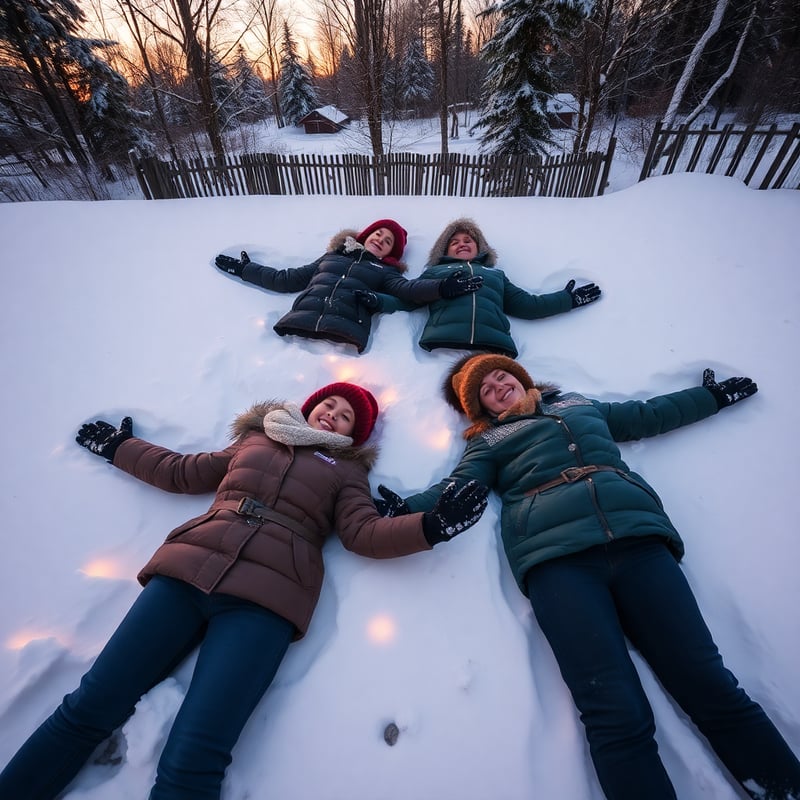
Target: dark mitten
<point>459,283</point>
<point>459,507</point>
<point>583,295</point>
<point>235,266</point>
<point>730,391</point>
<point>368,299</point>
<point>392,505</point>
<point>103,439</point>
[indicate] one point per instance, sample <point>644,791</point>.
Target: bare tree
<point>729,71</point>
<point>265,28</point>
<point>692,62</point>
<point>140,39</point>
<point>446,11</point>
<point>616,38</point>
<point>190,25</point>
<point>366,26</point>
<point>482,20</point>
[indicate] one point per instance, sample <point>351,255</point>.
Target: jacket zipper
<point>474,306</point>
<point>329,301</point>
<point>589,481</point>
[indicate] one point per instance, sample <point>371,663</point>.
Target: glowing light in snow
<point>105,568</point>
<point>440,440</point>
<point>381,629</point>
<point>23,638</point>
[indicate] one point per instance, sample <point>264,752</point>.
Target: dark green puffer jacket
<point>568,430</point>
<point>479,321</point>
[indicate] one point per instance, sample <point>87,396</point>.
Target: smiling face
<point>380,242</point>
<point>499,391</point>
<point>334,414</point>
<point>462,246</point>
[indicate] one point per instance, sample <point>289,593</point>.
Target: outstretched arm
<point>636,419</point>
<point>525,305</point>
<point>158,466</point>
<point>293,279</point>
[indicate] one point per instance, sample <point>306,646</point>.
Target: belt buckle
<point>572,474</point>
<point>245,507</point>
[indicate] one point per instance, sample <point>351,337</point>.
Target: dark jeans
<point>241,647</point>
<point>587,604</point>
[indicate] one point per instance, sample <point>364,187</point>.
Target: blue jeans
<point>586,605</point>
<point>241,647</point>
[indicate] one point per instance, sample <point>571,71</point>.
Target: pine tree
<point>88,101</point>
<point>108,121</point>
<point>519,79</point>
<point>298,96</point>
<point>250,97</point>
<point>416,75</point>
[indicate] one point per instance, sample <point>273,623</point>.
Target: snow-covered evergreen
<point>416,75</point>
<point>519,79</point>
<point>87,101</point>
<point>109,120</point>
<point>250,99</point>
<point>297,93</point>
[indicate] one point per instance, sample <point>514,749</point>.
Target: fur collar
<point>253,420</point>
<point>339,240</point>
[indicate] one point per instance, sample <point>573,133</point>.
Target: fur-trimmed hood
<point>346,238</point>
<point>253,420</point>
<point>439,249</point>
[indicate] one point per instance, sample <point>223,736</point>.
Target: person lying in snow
<point>241,582</point>
<point>360,275</point>
<point>479,321</point>
<point>592,548</point>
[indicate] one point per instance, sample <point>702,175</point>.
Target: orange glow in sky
<point>381,629</point>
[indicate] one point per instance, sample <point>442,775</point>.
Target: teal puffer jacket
<point>524,452</point>
<point>479,321</point>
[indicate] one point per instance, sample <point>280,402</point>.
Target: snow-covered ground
<point>116,308</point>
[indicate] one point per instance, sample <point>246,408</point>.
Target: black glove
<point>459,283</point>
<point>583,295</point>
<point>392,504</point>
<point>368,299</point>
<point>103,439</point>
<point>728,392</point>
<point>233,265</point>
<point>459,507</point>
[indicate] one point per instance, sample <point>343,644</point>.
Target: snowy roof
<point>330,112</point>
<point>562,102</point>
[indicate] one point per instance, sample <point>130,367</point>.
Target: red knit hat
<point>364,405</point>
<point>400,238</point>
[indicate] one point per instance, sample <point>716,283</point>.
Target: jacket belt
<point>252,509</point>
<point>571,475</point>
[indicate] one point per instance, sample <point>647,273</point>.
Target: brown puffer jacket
<point>268,563</point>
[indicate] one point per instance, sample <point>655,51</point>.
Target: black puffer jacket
<point>328,308</point>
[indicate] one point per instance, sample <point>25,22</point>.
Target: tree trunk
<point>443,52</point>
<point>46,85</point>
<point>728,72</point>
<point>198,63</point>
<point>691,64</point>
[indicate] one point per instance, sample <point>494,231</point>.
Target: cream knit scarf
<point>287,425</point>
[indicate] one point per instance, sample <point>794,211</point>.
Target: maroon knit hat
<point>400,238</point>
<point>364,405</point>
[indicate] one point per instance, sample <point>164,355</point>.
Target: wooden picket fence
<point>394,174</point>
<point>766,158</point>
